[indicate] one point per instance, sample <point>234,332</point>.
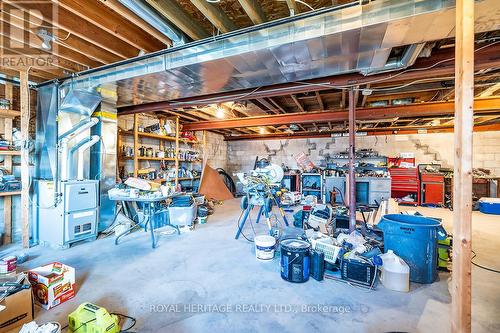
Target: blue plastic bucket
<point>414,239</point>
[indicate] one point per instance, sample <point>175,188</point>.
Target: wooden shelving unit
<point>8,116</point>
<point>162,140</point>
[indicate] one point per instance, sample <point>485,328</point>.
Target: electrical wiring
<point>481,266</point>
<point>216,99</point>
<point>396,75</point>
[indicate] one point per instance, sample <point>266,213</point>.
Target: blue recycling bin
<point>414,239</point>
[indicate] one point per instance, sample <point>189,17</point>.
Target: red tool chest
<point>405,181</point>
<point>432,187</point>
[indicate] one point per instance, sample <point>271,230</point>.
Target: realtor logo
<point>28,34</point>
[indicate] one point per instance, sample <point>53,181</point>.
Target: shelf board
<point>9,113</point>
<point>143,158</point>
<point>155,158</point>
<point>148,135</point>
<point>10,152</point>
<point>192,161</point>
<point>6,194</point>
<point>188,141</point>
<point>186,178</point>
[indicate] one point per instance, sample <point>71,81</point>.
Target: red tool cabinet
<point>432,188</point>
<point>405,181</point>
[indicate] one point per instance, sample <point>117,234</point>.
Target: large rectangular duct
<point>354,38</point>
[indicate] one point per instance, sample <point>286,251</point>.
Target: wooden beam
<point>462,189</point>
<point>123,11</point>
<point>292,6</point>
<point>66,57</point>
<point>44,76</point>
<point>77,26</point>
<point>320,100</point>
<point>342,99</point>
<point>136,145</point>
<point>109,21</point>
<point>481,106</point>
<point>328,134</point>
<point>297,102</point>
<point>7,164</point>
<point>25,168</point>
<point>254,11</point>
<point>179,17</point>
<point>365,97</point>
<point>269,106</point>
<point>278,106</point>
<point>215,15</point>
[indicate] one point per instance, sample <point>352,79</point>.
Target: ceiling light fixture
<point>219,113</point>
<point>46,37</point>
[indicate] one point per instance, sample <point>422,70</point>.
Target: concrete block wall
<point>216,150</point>
<point>426,147</point>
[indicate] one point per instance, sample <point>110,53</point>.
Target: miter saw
<point>261,186</point>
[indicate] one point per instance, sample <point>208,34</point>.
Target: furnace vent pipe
<point>82,147</point>
<point>66,137</point>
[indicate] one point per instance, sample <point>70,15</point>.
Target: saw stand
<point>266,205</point>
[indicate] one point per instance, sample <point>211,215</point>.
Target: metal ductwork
<point>406,60</point>
<point>65,138</point>
<point>331,41</point>
<point>141,9</point>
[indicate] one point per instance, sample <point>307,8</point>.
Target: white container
<point>395,272</point>
<point>182,215</point>
<point>264,247</point>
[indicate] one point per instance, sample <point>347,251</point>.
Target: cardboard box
<point>53,284</point>
<point>17,309</point>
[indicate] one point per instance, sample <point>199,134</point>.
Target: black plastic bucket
<point>295,259</point>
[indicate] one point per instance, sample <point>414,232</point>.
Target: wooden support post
<point>177,128</point>
<point>136,145</point>
<point>25,171</point>
<point>7,164</point>
<point>352,156</point>
<point>462,189</point>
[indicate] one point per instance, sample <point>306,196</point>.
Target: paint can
<point>264,247</point>
<point>295,260</point>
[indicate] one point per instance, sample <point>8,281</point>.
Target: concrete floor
<point>207,266</point>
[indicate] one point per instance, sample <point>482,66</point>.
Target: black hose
<point>227,180</point>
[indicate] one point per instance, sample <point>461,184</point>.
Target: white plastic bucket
<point>264,247</point>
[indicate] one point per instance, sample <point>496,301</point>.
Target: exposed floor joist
<point>215,15</point>
<point>178,16</point>
<point>481,106</point>
<point>254,11</point>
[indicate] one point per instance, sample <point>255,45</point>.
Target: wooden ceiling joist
<point>481,106</point>
<point>77,26</point>
<point>254,11</point>
<point>118,8</point>
<point>320,101</point>
<point>64,59</point>
<point>297,102</point>
<point>215,15</point>
<point>109,21</point>
<point>328,134</point>
<point>171,10</point>
<point>292,6</point>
